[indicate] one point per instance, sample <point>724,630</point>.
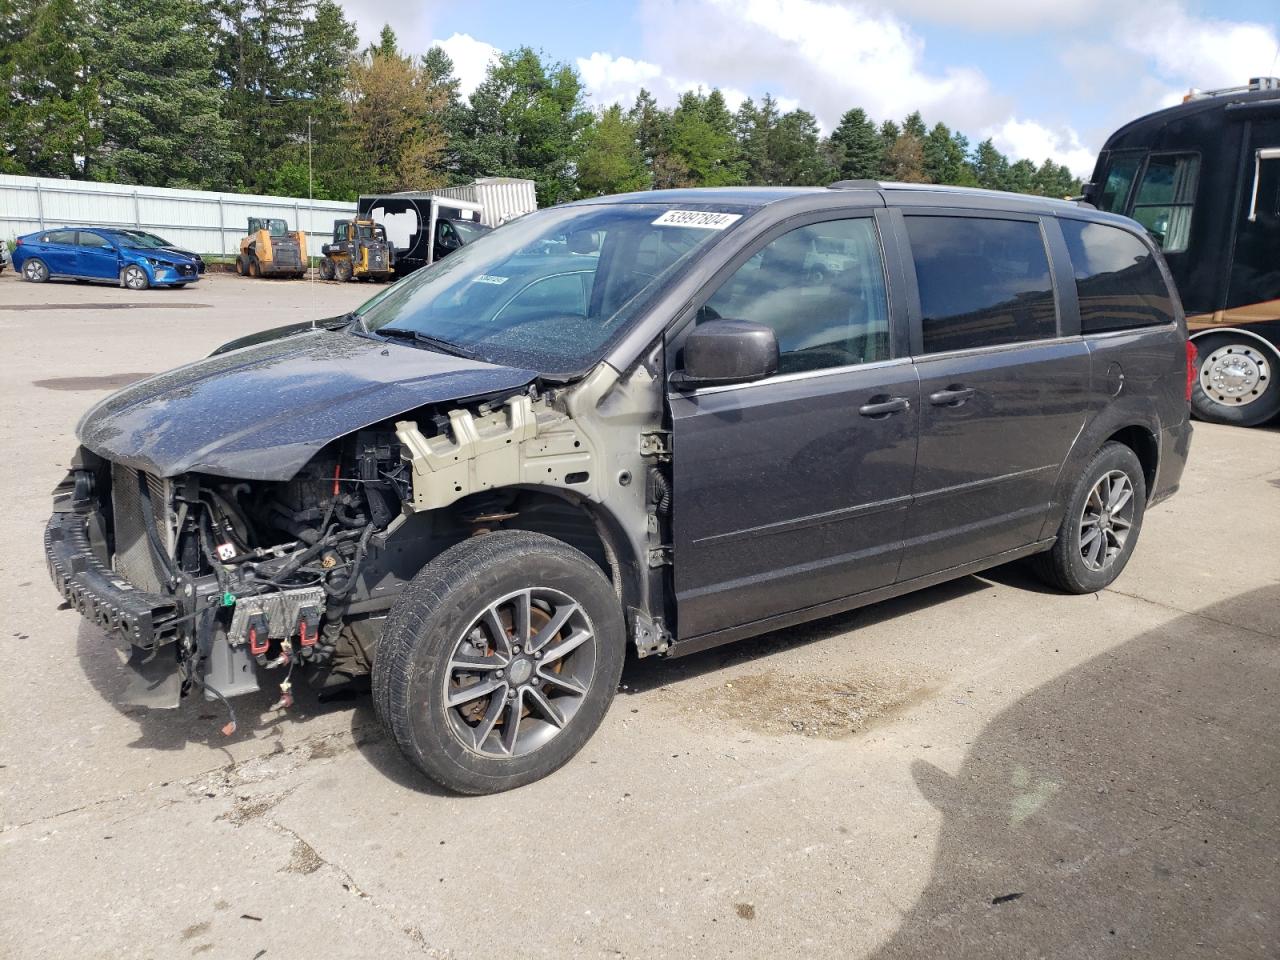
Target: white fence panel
<point>198,220</point>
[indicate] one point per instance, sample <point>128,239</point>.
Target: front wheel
<point>35,271</point>
<point>342,270</point>
<point>499,661</point>
<point>1101,525</point>
<point>1236,381</point>
<point>135,278</point>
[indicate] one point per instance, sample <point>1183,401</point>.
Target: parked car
<point>99,254</point>
<point>495,476</point>
<point>4,255</point>
<point>142,240</point>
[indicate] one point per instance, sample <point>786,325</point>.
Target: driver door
<point>792,491</point>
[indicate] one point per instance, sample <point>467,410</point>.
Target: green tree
<point>1055,180</point>
<point>702,141</point>
<point>526,120</point>
<point>160,109</point>
<point>653,136</point>
<point>1021,177</point>
<point>859,146</point>
<point>914,126</point>
<point>394,135</point>
<point>47,126</point>
<point>991,167</point>
<point>796,151</point>
<point>889,134</point>
<point>945,159</point>
<point>611,158</point>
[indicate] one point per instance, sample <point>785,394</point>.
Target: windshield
<point>468,231</point>
<point>553,290</point>
<point>139,240</point>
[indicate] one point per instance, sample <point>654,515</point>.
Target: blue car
<point>100,254</point>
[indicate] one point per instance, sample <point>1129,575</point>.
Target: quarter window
<point>821,288</point>
<point>982,282</point>
<point>1166,198</point>
<point>1120,176</point>
<point>1117,279</point>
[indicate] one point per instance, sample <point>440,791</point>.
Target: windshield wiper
<point>435,343</point>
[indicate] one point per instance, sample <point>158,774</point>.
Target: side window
<point>91,240</point>
<point>1119,284</point>
<point>60,236</point>
<point>1115,189</point>
<point>1166,197</point>
<point>821,288</point>
<point>982,282</point>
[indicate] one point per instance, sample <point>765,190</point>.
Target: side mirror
<point>727,351</point>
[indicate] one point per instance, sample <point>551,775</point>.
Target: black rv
<point>1204,178</point>
<point>423,227</point>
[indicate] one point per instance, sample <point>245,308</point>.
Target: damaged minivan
<point>655,422</point>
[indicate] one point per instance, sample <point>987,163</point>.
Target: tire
<point>472,746</point>
<point>240,268</point>
<point>35,270</point>
<point>134,277</point>
<point>326,269</point>
<point>1074,564</point>
<point>1236,381</point>
<point>342,270</point>
<point>253,268</point>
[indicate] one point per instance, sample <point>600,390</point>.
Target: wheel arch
<point>1237,331</point>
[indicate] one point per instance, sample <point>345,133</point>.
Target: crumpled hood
<point>260,413</point>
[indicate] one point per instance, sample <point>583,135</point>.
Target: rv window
<point>1165,199</point>
<point>1117,279</point>
<point>1115,191</point>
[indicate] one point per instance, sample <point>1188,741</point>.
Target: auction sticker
<point>702,219</point>
<point>487,278</point>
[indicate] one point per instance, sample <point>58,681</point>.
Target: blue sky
<point>1041,77</point>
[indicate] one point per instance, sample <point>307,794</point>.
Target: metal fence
<point>197,220</point>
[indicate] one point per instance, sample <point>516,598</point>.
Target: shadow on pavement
<point>1129,807</point>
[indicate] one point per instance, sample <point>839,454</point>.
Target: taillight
<point>1193,364</point>
<point>18,242</point>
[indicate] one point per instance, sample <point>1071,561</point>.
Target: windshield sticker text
<point>485,278</point>
<point>702,219</point>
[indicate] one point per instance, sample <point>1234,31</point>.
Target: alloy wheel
<point>34,271</point>
<point>1106,520</point>
<point>134,278</point>
<point>519,673</point>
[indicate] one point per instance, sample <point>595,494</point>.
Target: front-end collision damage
<point>213,582</point>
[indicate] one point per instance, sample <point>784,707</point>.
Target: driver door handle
<point>884,407</point>
<point>951,397</point>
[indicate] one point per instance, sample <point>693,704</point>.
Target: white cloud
<point>1002,16</point>
<point>1029,140</point>
<point>1200,52</point>
<point>471,59</point>
<point>824,54</point>
<point>611,79</point>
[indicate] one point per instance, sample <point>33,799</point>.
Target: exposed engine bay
<point>234,579</point>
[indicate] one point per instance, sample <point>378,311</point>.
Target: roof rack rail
<point>1253,86</point>
<point>854,185</point>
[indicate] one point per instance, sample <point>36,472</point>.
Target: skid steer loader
<point>359,251</point>
<point>270,249</point>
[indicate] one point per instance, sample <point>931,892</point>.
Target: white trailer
<point>501,198</point>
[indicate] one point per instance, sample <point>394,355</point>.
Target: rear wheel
<point>134,277</point>
<point>1100,529</point>
<point>342,270</point>
<point>240,267</point>
<point>499,661</point>
<point>253,268</point>
<point>1236,382</point>
<point>35,270</point>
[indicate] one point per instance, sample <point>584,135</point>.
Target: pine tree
<point>160,109</point>
<point>702,142</point>
<point>860,146</point>
<point>944,157</point>
<point>889,134</point>
<point>48,125</point>
<point>914,126</point>
<point>991,167</point>
<point>796,151</point>
<point>611,158</point>
<point>1021,177</point>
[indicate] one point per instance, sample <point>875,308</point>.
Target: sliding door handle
<point>883,406</point>
<point>953,396</point>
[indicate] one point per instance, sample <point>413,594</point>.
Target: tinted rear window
<point>1119,284</point>
<point>982,282</point>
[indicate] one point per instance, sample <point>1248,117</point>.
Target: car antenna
<point>311,221</point>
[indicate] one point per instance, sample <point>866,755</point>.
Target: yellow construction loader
<point>271,250</point>
<point>359,250</point>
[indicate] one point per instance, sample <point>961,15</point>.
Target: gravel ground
<point>983,769</point>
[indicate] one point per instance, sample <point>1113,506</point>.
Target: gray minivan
<point>661,421</point>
